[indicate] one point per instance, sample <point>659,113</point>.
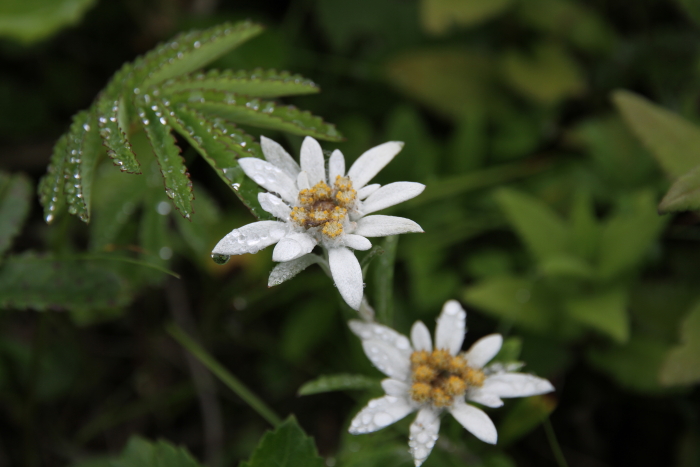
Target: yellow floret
<point>298,215</point>
<point>440,397</point>
<point>474,377</point>
<point>332,229</point>
<point>307,196</point>
<point>420,392</point>
<point>321,191</point>
<point>441,359</point>
<point>424,373</point>
<point>455,386</point>
<point>420,357</point>
<point>339,213</point>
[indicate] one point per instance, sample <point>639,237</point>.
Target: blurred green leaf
<point>304,329</point>
<point>142,453</point>
<point>287,446</point>
<point>15,199</point>
<point>438,16</point>
<point>691,8</point>
<point>681,365</point>
<point>673,140</point>
<point>539,227</point>
<point>384,281</point>
<point>525,415</point>
<point>566,266</point>
<point>684,194</point>
<point>339,382</point>
<point>584,226</point>
<point>32,20</point>
<point>547,76</point>
<point>604,311</point>
<point>510,350</point>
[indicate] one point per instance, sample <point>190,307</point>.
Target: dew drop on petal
<point>220,259</point>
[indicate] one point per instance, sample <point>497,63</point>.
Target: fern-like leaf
<point>51,185</point>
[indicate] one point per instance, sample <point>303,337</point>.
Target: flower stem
<point>554,444</point>
<point>224,375</point>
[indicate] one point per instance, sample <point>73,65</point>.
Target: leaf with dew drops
<point>114,137</point>
<point>51,184</point>
<point>15,199</point>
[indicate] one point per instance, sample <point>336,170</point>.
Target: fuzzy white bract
<point>322,207</point>
<point>432,380</point>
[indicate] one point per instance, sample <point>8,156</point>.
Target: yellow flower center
<point>325,207</point>
<point>438,377</point>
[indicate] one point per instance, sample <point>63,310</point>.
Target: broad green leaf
<point>178,186</point>
<point>142,453</point>
<point>681,364</point>
<point>437,16</point>
<point>684,194</point>
<point>49,283</point>
<point>33,20</point>
<point>221,144</point>
<point>51,184</point>
<point>584,226</point>
<point>192,50</point>
<point>510,350</point>
<point>287,446</point>
<point>114,136</point>
<point>384,281</point>
<point>83,149</point>
<point>604,311</point>
<point>566,266</point>
<point>635,365</point>
<point>256,83</point>
<point>526,415</point>
<point>255,112</point>
<point>673,140</point>
<point>449,81</point>
<point>628,235</point>
<point>339,382</point>
<point>15,199</point>
<point>539,227</point>
<point>547,76</point>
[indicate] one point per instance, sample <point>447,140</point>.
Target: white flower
<point>319,207</point>
<point>432,380</point>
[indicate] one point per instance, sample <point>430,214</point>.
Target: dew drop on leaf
<point>220,259</point>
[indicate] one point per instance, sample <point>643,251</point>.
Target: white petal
<point>382,226</point>
<point>475,421</point>
<point>347,275</point>
<point>420,337</point>
<point>368,190</point>
<point>270,177</point>
<point>274,205</point>
<point>391,194</point>
<point>371,162</point>
<point>250,238</point>
<point>303,181</point>
<point>336,166</point>
<point>356,242</point>
<point>387,358</point>
<point>394,387</point>
<point>293,246</point>
<point>516,385</point>
<point>484,398</point>
<point>424,434</point>
<point>380,413</point>
<point>451,326</point>
<point>288,269</point>
<point>483,350</point>
<point>276,155</point>
<point>367,330</point>
<point>312,160</point>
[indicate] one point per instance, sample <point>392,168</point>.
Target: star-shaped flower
<point>319,207</point>
<point>432,380</point>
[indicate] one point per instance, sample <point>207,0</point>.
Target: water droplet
<point>136,91</point>
<point>49,218</point>
<point>197,44</point>
<point>236,186</point>
<point>170,193</point>
<point>163,208</point>
<point>220,259</point>
<point>165,253</point>
<point>163,121</point>
<point>86,127</point>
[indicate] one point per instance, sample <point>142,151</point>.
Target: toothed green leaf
<point>114,137</point>
<point>15,198</point>
<point>192,50</point>
<point>287,446</point>
<point>255,112</point>
<point>82,150</point>
<point>51,184</point>
<point>256,83</point>
<point>220,147</point>
<point>178,186</point>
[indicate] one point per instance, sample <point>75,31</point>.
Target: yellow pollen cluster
<point>324,206</point>
<point>438,377</point>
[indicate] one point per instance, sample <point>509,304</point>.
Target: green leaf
<point>255,112</point>
<point>153,229</point>
<point>142,453</point>
<point>526,415</point>
<point>681,364</point>
<point>584,226</point>
<point>114,136</point>
<point>540,228</point>
<point>256,83</point>
<point>15,199</point>
<point>304,329</point>
<point>605,311</point>
<point>82,151</point>
<point>384,281</point>
<point>566,266</point>
<point>438,16</point>
<point>178,186</point>
<point>51,185</point>
<point>684,194</point>
<point>221,144</point>
<point>673,140</point>
<point>287,446</point>
<point>339,382</point>
<point>33,20</point>
<point>49,283</point>
<point>510,350</point>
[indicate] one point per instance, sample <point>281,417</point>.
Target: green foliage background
<point>545,168</point>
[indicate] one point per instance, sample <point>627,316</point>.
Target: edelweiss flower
<point>316,207</point>
<point>431,380</point>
